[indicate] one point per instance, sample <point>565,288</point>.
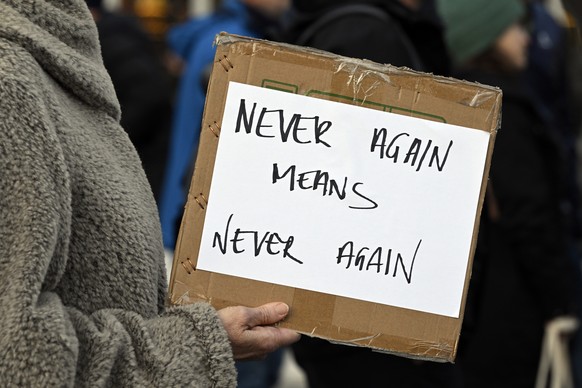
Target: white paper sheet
<point>343,200</point>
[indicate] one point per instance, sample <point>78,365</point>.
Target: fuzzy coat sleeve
<point>44,342</point>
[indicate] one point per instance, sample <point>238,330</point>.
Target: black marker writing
<point>379,260</point>
<point>239,241</point>
<point>321,180</point>
<point>271,123</point>
<point>416,147</point>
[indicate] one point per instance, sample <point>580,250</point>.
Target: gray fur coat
<point>82,284</point>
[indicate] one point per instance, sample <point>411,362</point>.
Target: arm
<point>51,335</point>
<point>45,341</point>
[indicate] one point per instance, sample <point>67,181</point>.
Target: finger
<point>268,314</point>
<point>265,340</point>
<point>278,337</point>
<point>287,337</point>
<point>271,338</point>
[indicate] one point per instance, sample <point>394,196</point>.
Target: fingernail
<point>282,309</point>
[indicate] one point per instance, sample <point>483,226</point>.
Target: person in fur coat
<point>82,277</point>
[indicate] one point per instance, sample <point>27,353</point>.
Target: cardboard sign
<point>347,189</point>
<point>353,201</point>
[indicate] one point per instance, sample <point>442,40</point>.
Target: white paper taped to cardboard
<point>343,200</point>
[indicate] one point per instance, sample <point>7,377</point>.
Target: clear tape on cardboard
<point>361,69</point>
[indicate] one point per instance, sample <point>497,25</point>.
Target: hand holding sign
<point>250,330</point>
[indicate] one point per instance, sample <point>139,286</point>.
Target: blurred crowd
<point>527,266</point>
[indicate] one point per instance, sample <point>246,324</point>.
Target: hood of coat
<point>308,10</point>
<point>305,12</point>
<point>422,25</point>
<point>318,7</point>
<point>309,6</point>
<point>62,37</point>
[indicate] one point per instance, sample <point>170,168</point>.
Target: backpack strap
<point>360,9</point>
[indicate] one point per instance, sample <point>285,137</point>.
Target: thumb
<point>268,314</point>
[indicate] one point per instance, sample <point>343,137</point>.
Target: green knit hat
<point>471,26</point>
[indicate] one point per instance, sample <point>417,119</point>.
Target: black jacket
<point>522,276</point>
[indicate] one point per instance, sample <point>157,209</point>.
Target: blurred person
<point>142,86</point>
<point>522,277</point>
<point>402,33</point>
<point>548,79</point>
<point>82,277</point>
<point>551,83</point>
<point>192,42</point>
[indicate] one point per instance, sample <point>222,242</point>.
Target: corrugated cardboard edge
<point>187,284</point>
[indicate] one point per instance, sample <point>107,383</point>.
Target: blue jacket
<point>192,41</point>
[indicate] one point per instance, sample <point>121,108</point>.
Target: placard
<point>344,200</point>
<point>349,190</point>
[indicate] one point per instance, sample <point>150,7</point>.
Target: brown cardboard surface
<point>322,75</point>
